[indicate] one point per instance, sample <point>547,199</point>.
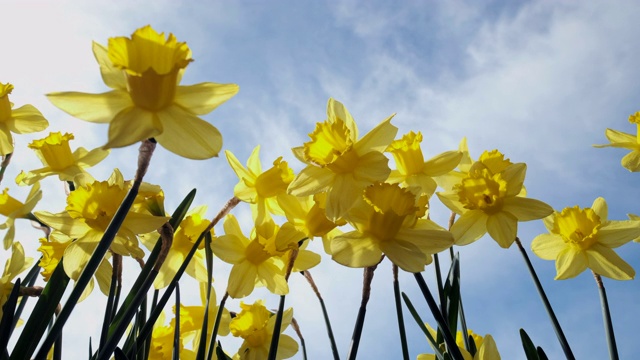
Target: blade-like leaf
<point>8,309</point>
<point>416,317</point>
<point>528,346</point>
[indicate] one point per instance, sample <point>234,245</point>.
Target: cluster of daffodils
<point>364,207</point>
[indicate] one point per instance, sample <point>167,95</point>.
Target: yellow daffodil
<point>146,101</point>
<point>486,348</point>
<point>340,163</point>
<point>263,190</point>
<point>252,262</point>
<point>620,139</point>
<point>412,170</point>
<point>308,215</point>
<point>15,265</point>
<point>56,156</point>
<point>584,238</point>
<point>162,343</point>
<point>52,252</point>
<point>184,237</point>
<point>488,200</point>
<point>89,211</point>
<point>385,221</point>
<point>23,120</point>
<point>287,238</point>
<point>14,209</point>
<point>255,325</point>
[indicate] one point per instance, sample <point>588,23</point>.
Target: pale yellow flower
<point>623,140</point>
<point>14,209</point>
<point>146,101</point>
<point>56,156</point>
<point>15,265</point>
<point>341,163</point>
<point>584,238</point>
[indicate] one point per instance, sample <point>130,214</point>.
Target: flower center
<point>250,324</point>
<point>96,203</point>
<point>256,252</point>
<point>577,226</point>
<point>482,191</point>
<point>329,142</point>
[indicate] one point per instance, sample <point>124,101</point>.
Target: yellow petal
<point>600,208</point>
<point>378,139</point>
<point>488,350</point>
<point>442,163</point>
<point>514,176</point>
<point>337,111</point>
<point>617,233</point>
<point>406,255</point>
<point>98,108</point>
<point>631,161</point>
<point>451,200</point>
<point>526,209</point>
<point>606,262</point>
<point>242,280</point>
<point>238,168</point>
<point>287,347</point>
<point>103,275</point>
<point>27,119</point>
<point>202,98</point>
<point>616,136</point>
<point>570,263</point>
<point>426,238</point>
<point>343,194</point>
<point>77,254</point>
<point>112,76</point>
<point>63,223</point>
<point>131,126</point>
<point>6,140</point>
<point>90,158</point>
<point>271,276</point>
<point>469,227</point>
<point>548,246</point>
<point>229,248</point>
<point>503,228</point>
<point>187,135</point>
<point>311,180</point>
<point>372,166</point>
<point>354,249</point>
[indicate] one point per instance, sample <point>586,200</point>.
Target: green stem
<point>606,316</point>
<point>396,294</point>
<point>3,166</point>
<point>216,325</point>
<point>433,306</point>
<point>327,322</point>
<point>275,337</point>
<point>556,325</point>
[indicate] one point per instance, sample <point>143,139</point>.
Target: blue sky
<point>538,80</point>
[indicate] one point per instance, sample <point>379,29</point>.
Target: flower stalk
<point>606,316</point>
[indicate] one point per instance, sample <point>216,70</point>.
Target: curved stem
<point>366,293</point>
<point>396,295</point>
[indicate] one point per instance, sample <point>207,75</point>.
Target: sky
<point>538,80</point>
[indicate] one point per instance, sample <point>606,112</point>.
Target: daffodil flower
<point>14,209</point>
<point>252,262</point>
<point>341,163</point>
<point>185,235</point>
<point>308,215</point>
<point>584,238</point>
<point>412,170</point>
<point>56,156</point>
<point>255,325</point>
<point>15,265</point>
<point>385,221</point>
<point>486,348</point>
<point>89,211</point>
<point>488,200</point>
<point>623,140</point>
<point>23,120</point>
<point>263,190</point>
<point>146,101</point>
<point>162,342</point>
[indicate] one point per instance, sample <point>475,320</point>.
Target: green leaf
<point>41,315</point>
<point>176,331</point>
<point>6,324</point>
<point>528,346</point>
<point>452,294</point>
<point>202,346</point>
<point>541,354</point>
<point>416,317</point>
<point>119,355</point>
<point>220,354</point>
